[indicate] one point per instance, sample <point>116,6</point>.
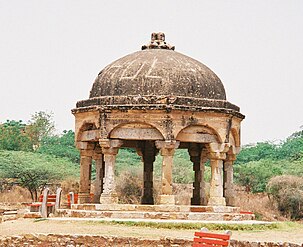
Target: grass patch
<point>194,226</point>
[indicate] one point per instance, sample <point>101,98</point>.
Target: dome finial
<point>158,42</point>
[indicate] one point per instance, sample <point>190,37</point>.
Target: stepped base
<point>168,212</point>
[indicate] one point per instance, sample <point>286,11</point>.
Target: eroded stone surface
<point>57,240</point>
<point>164,100</point>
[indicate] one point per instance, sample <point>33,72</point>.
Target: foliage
<point>40,126</point>
<point>129,187</point>
<point>262,150</point>
<point>127,159</point>
<point>255,174</point>
<point>256,164</point>
<point>13,136</point>
<point>33,171</point>
<point>287,192</point>
<point>292,148</point>
<point>61,146</point>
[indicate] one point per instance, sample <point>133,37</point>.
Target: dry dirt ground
<point>23,226</point>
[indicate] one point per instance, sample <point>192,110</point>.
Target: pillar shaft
<point>110,149</point>
<point>216,184</point>
<point>85,178</point>
<point>229,192</point>
<point>167,150</point>
<point>148,155</point>
<point>99,161</point>
<point>198,157</point>
<point>217,153</point>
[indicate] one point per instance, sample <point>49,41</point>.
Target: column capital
<point>85,145</point>
<point>110,143</point>
<point>232,153</point>
<point>218,150</point>
<point>230,158</point>
<point>110,146</point>
<point>234,150</point>
<point>167,147</point>
<point>86,152</point>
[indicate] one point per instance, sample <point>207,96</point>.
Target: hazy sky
<point>51,52</point>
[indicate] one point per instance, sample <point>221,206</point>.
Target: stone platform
<point>160,212</point>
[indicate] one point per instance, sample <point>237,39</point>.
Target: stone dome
<point>158,77</point>
<point>158,72</point>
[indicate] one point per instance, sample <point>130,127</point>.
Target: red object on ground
<point>207,239</point>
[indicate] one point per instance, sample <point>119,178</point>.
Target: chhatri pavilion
<point>157,101</point>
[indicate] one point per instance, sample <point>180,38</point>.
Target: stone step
<point>155,208</point>
<point>154,215</point>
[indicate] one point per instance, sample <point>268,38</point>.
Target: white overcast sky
<point>52,50</point>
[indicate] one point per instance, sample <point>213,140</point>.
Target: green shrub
<point>255,175</point>
<point>287,192</point>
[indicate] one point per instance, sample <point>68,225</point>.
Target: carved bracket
<point>218,150</point>
<point>168,147</point>
<point>109,146</point>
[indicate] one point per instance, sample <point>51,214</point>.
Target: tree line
<point>32,155</point>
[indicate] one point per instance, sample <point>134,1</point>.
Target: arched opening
<point>136,131</point>
<point>198,134</point>
<point>194,138</point>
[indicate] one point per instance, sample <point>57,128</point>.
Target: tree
<point>262,150</point>
<point>13,136</point>
<point>255,175</point>
<point>61,146</point>
<point>40,126</point>
<point>33,171</point>
<point>292,148</point>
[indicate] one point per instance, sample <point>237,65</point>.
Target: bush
<point>129,187</point>
<point>255,174</point>
<point>287,192</point>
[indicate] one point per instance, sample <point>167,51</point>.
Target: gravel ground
<point>24,226</point>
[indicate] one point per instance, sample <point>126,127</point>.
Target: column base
<point>167,199</point>
<point>216,201</point>
<point>147,200</point>
<point>97,198</point>
<point>230,201</point>
<point>108,199</point>
<point>199,201</point>
<point>83,198</point>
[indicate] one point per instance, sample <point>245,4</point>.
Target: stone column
<point>110,149</point>
<point>167,150</point>
<point>85,176</point>
<point>217,153</point>
<point>199,157</point>
<point>228,166</point>
<point>99,161</point>
<point>148,151</point>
